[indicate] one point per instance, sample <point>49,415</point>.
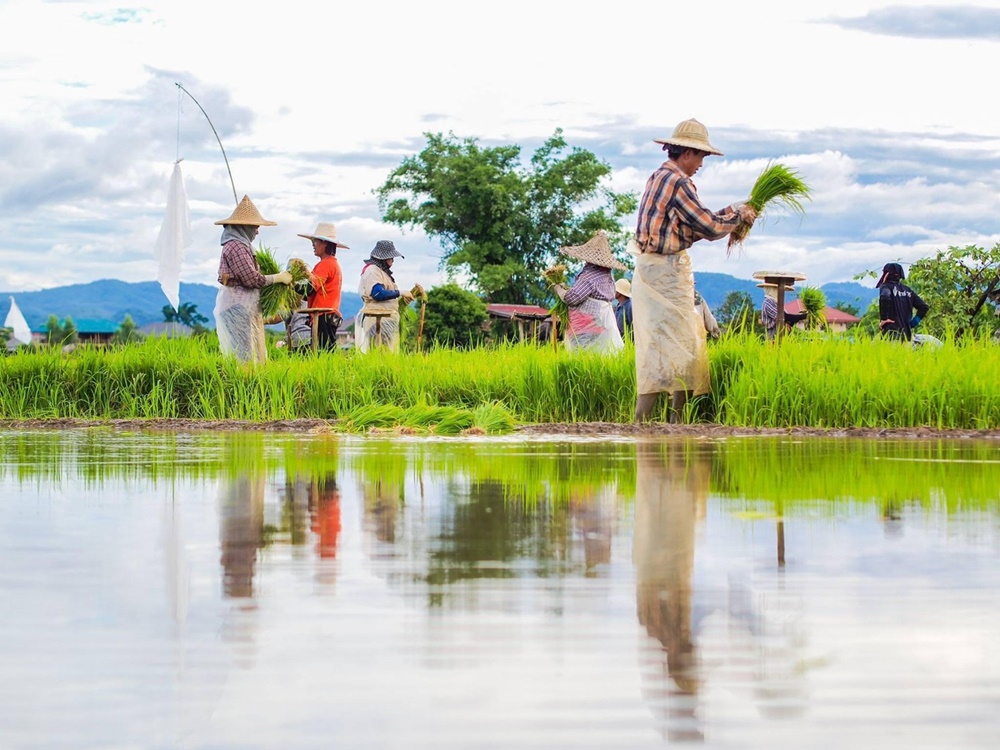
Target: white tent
<point>175,235</point>
<point>15,320</point>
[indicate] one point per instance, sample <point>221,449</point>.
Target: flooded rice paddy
<point>207,590</point>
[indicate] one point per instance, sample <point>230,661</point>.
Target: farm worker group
<point>239,321</point>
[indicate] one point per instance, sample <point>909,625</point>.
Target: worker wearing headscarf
<point>897,303</point>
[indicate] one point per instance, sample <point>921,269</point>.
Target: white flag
<point>175,235</point>
<point>16,321</point>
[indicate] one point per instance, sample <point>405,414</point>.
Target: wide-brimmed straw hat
<point>690,134</point>
<point>624,287</point>
<point>246,214</point>
<point>596,250</point>
<point>384,249</point>
<point>326,232</point>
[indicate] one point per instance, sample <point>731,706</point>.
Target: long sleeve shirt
<point>896,304</point>
<point>592,281</point>
<point>672,217</point>
<point>238,267</point>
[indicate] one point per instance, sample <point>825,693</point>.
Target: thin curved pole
<point>235,199</point>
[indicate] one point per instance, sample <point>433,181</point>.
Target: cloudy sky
<point>887,110</point>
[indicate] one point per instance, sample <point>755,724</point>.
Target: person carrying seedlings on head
<point>897,303</point>
<point>327,283</point>
<point>378,322</point>
<point>623,309</point>
<point>591,318</point>
<point>769,311</point>
<point>238,319</point>
<point>671,354</point>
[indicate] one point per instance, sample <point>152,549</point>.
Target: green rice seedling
<point>277,300</point>
<point>814,305</point>
<point>777,185</point>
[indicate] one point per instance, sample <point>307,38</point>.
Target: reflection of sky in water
<point>454,607</point>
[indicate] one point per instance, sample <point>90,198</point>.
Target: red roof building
<point>838,320</point>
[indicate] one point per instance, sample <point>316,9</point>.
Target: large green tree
<point>187,314</point>
<point>499,220</point>
<point>737,313</point>
<point>454,316</point>
<point>61,334</point>
<point>958,284</point>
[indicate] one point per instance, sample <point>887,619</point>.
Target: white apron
<point>592,327</point>
<point>239,324</point>
<point>670,349</point>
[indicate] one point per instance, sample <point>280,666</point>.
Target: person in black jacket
<point>897,303</point>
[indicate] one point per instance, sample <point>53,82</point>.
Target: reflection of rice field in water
<point>810,381</point>
<point>753,477</point>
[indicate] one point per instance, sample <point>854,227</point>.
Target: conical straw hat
<point>326,232</point>
<point>596,250</point>
<point>690,134</point>
<point>246,214</point>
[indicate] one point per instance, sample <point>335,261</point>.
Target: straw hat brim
<point>325,239</point>
<point>246,215</point>
<point>769,285</point>
<point>698,145</point>
<point>596,251</point>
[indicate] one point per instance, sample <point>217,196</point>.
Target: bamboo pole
<point>420,329</point>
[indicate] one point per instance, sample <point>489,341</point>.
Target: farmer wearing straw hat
<point>769,310</point>
<point>623,310</point>
<point>378,322</point>
<point>328,282</point>
<point>592,322</point>
<point>671,354</point>
<point>238,320</point>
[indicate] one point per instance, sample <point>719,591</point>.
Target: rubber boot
<point>677,403</point>
<point>645,403</point>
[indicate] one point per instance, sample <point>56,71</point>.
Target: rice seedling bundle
<point>555,276</point>
<point>277,300</point>
<point>777,185</point>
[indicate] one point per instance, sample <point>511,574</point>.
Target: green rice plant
<point>814,306</point>
<point>776,186</point>
<point>277,300</point>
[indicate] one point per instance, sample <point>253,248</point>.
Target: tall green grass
<point>805,380</point>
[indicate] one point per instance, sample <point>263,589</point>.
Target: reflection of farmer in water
<point>241,531</point>
<point>593,516</point>
<point>382,500</point>
<point>324,510</point>
<point>670,495</point>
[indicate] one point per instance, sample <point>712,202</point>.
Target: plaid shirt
<point>238,267</point>
<point>592,281</point>
<point>672,217</point>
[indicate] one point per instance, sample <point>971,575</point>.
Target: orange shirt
<point>329,280</point>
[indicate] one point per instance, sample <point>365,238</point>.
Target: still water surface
<point>267,591</point>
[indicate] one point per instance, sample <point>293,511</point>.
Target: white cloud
<point>91,125</point>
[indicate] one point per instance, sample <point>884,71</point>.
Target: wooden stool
<point>378,315</point>
<point>314,313</point>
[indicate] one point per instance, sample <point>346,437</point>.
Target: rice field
<point>807,381</point>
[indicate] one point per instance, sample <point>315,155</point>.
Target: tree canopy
<point>187,314</point>
<point>957,284</point>
<point>454,316</point>
<point>499,220</point>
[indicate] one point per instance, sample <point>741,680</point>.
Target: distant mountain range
<point>110,300</point>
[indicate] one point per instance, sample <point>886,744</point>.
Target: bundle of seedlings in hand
<point>777,184</point>
<point>555,276</point>
<point>277,300</point>
<point>418,293</point>
<point>303,280</point>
